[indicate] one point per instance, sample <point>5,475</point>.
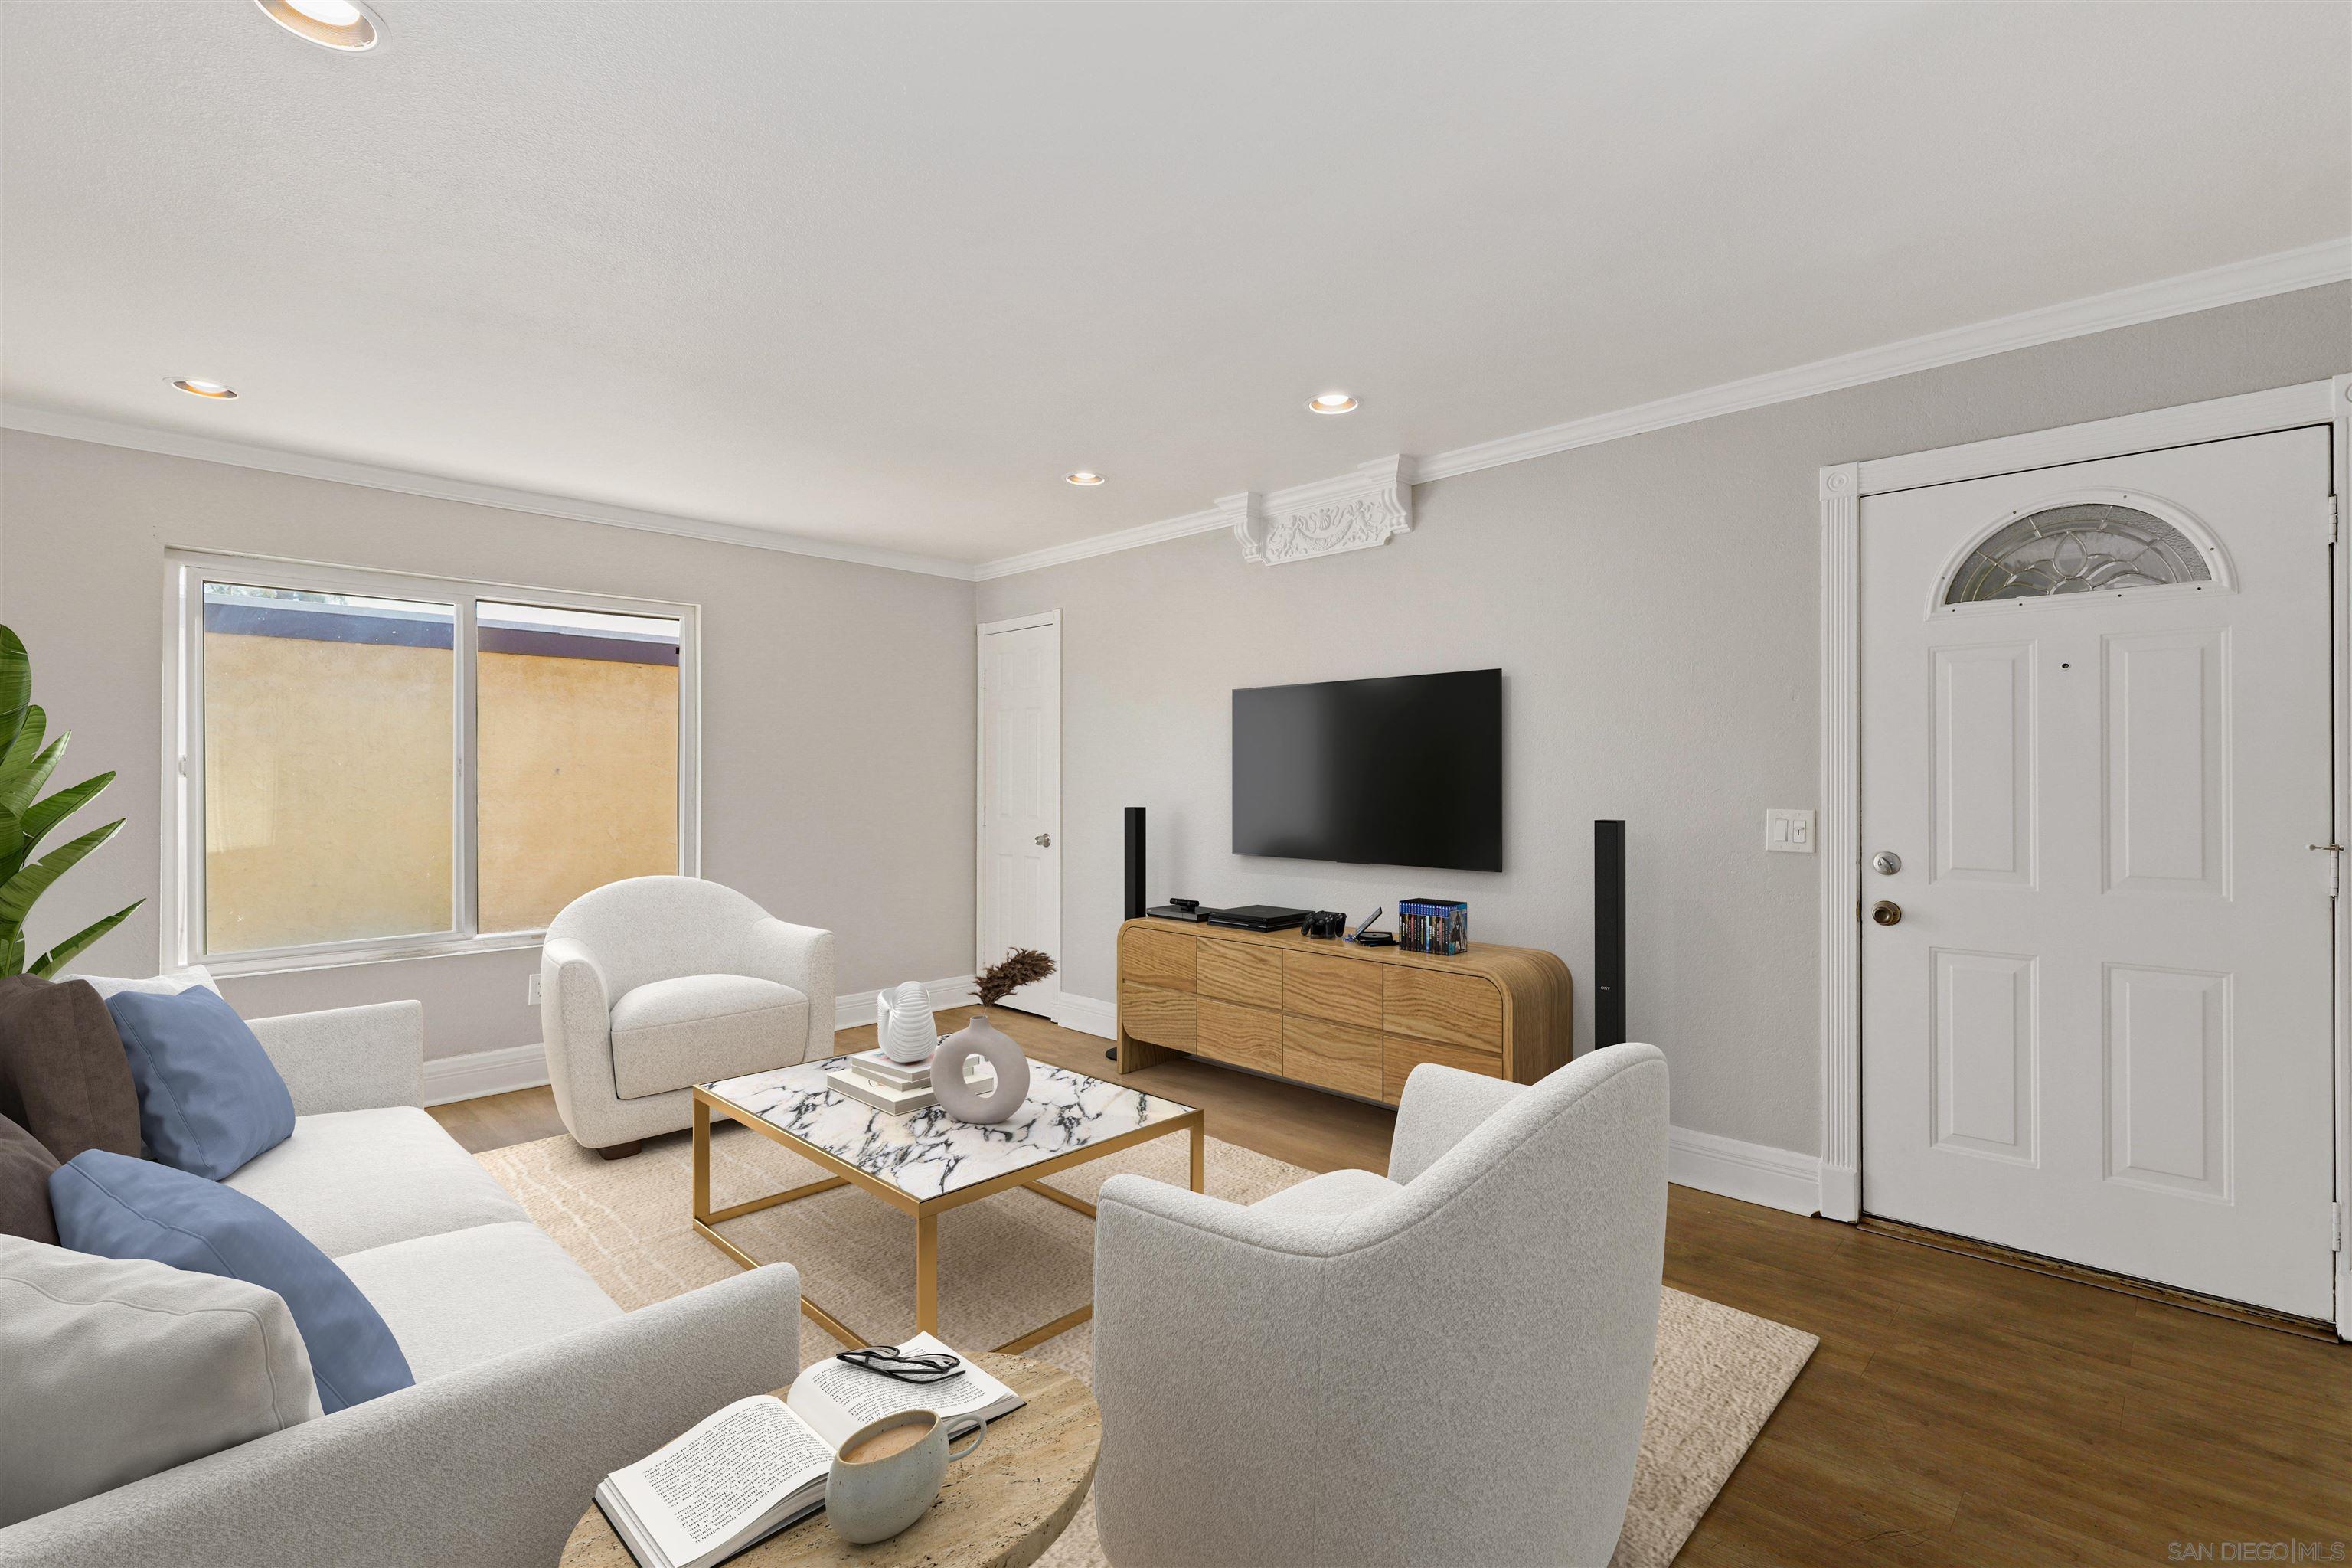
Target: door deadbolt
<point>1045,841</point>
<point>1887,862</point>
<point>1886,913</point>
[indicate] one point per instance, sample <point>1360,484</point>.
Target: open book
<point>744,1472</point>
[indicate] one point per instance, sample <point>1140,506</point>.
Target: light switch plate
<point>1789,832</point>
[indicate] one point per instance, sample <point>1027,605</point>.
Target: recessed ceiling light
<point>331,24</point>
<point>1082,477</point>
<point>1331,402</point>
<point>212,389</point>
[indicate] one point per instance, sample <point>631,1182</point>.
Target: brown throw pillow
<point>63,1075</point>
<point>24,1168</point>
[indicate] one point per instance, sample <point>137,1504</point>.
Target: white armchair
<point>1450,1367</point>
<point>651,985</point>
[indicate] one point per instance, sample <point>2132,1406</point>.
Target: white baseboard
<point>1087,1014</point>
<point>856,1009</point>
<point>1752,1173</point>
<point>449,1078</point>
<point>1841,1193</point>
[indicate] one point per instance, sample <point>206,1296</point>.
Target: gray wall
<point>814,674</point>
<point>1653,604</point>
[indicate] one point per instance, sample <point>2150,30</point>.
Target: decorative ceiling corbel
<point>1354,511</point>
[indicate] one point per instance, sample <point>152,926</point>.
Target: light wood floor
<point>1958,1412</point>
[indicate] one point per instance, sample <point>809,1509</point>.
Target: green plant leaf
<point>69,950</point>
<point>15,686</point>
<point>17,894</point>
<point>25,747</point>
<point>25,766</point>
<point>17,790</point>
<point>38,818</point>
<point>15,669</point>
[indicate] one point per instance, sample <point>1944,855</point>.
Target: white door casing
<point>1020,788</point>
<point>2103,1029</point>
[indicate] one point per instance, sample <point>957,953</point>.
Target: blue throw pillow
<point>209,1099</point>
<point>119,1208</point>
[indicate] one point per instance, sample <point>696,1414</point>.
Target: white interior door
<point>2102,1030</point>
<point>1020,797</point>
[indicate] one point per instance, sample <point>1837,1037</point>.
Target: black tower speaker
<point>1135,862</point>
<point>1608,934</point>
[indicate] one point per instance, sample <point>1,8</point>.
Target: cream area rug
<point>1011,1262</point>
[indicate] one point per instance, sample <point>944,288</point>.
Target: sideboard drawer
<point>1335,1056</point>
<point>1161,958</point>
<point>1245,1036</point>
<point>1250,975</point>
<point>1156,1016</point>
<point>1456,1009</point>
<point>1340,990</point>
<point>1400,1053</point>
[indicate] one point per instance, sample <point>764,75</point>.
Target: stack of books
<point>898,1088</point>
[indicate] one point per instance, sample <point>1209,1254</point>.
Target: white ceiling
<point>880,274</point>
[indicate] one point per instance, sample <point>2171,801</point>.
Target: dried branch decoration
<point>1022,966</point>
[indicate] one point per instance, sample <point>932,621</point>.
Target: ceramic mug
<point>888,1473</point>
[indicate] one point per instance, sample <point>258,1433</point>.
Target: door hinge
<point>2335,868</point>
<point>2335,517</point>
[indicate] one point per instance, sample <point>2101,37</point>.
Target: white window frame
<point>181,931</point>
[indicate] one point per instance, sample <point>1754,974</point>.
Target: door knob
<point>1886,913</point>
<point>1887,862</point>
<point>1045,841</point>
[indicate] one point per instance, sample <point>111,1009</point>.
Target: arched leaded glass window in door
<point>2081,547</point>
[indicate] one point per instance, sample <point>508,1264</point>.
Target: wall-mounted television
<point>1406,771</point>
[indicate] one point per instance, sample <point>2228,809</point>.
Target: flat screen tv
<point>1406,771</point>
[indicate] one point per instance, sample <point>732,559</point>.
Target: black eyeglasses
<point>886,1361</point>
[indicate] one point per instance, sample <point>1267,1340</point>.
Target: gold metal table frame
<point>927,1211</point>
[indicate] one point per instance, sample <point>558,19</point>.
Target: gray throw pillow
<point>113,1369</point>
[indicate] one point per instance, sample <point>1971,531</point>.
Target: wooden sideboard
<point>1328,1013</point>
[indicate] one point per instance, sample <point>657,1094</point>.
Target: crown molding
<point>2330,261</point>
<point>337,470</point>
<point>1134,538</point>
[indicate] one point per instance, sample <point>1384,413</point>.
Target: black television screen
<point>1403,771</point>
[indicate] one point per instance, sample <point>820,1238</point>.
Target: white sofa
<point>1445,1366</point>
<point>531,1385</point>
<point>651,985</point>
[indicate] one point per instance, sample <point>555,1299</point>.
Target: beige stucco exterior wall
<point>328,788</point>
<point>579,781</point>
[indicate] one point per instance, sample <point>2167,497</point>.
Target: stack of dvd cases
<point>1433,925</point>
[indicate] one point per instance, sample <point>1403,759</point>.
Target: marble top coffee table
<point>929,1163</point>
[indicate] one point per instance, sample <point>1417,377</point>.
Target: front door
<point>1020,799</point>
<point>2095,731</point>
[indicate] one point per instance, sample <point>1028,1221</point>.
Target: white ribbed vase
<point>903,1022</point>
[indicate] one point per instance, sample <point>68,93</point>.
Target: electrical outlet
<point>530,990</point>
<point>1789,832</point>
